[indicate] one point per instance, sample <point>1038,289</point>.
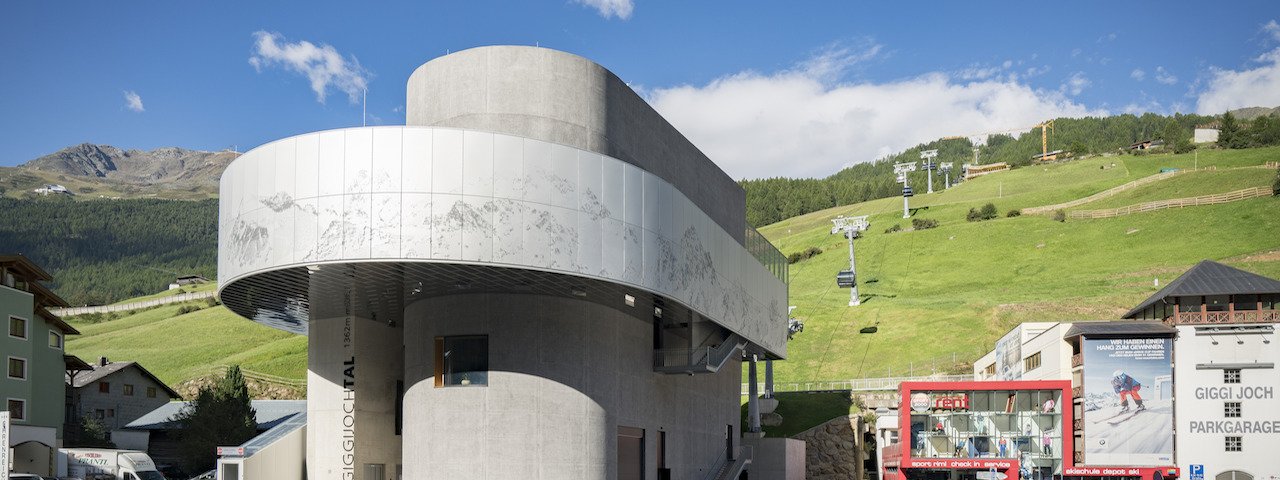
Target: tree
<point>1229,134</point>
<point>1275,187</point>
<point>220,415</point>
<point>93,434</point>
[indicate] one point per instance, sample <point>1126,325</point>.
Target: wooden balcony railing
<point>1237,316</point>
<point>1077,360</point>
<point>1077,392</point>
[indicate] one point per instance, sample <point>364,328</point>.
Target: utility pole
<point>928,156</point>
<point>902,169</point>
<point>851,227</point>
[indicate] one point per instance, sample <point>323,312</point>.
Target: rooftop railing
<point>767,254</point>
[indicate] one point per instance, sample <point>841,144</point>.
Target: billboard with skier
<point>1128,406</point>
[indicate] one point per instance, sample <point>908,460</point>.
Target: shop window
<point>462,361</point>
<point>18,327</point>
<point>17,409</point>
<point>1231,375</point>
<point>1246,302</point>
<point>151,392</point>
<point>17,368</point>
<point>1235,444</point>
<point>55,340</point>
<point>1031,363</point>
<point>1231,409</point>
<point>104,387</point>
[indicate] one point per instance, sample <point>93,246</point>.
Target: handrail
<point>745,452</point>
<point>857,384</point>
<point>706,359</point>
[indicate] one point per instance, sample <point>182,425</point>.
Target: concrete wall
<point>564,375</point>
<point>451,196</point>
<point>1201,394</point>
<point>776,458</point>
<point>127,407</point>
<point>44,389</point>
<point>566,99</point>
<point>284,459</point>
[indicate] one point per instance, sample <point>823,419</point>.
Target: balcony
<point>1077,392</point>
<point>1077,360</point>
<point>1231,316</point>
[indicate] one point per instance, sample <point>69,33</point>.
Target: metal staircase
<point>704,359</point>
<point>729,469</point>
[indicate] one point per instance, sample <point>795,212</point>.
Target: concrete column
<point>353,365</point>
<point>768,378</point>
<point>753,400</point>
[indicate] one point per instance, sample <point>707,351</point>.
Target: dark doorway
<point>630,453</point>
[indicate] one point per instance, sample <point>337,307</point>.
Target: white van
<point>107,464</point>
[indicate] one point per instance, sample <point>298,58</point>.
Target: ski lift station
<point>536,276</point>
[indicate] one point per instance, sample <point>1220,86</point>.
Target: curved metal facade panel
<point>443,195</point>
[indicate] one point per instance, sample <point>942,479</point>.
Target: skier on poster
<point>1126,387</point>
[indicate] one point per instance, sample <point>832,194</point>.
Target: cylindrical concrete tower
<point>538,277</point>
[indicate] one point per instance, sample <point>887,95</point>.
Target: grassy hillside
<point>179,347</point>
<point>949,292</point>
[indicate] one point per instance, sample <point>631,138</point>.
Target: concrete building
<point>537,276</point>
<point>32,347</point>
<point>1225,377</point>
<point>115,393</point>
<point>1030,351</point>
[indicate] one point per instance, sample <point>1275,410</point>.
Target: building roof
<point>1120,329</point>
<point>268,414</point>
<point>103,371</point>
<point>57,321</point>
<point>75,364</point>
<point>18,262</point>
<point>1211,278</point>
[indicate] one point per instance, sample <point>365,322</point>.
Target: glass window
<point>1235,444</point>
<point>1217,303</point>
<point>462,361</point>
<point>55,340</point>
<point>1231,375</point>
<point>151,392</point>
<point>111,413</point>
<point>104,387</point>
<point>1246,302</point>
<point>1189,304</point>
<point>128,390</point>
<point>17,409</point>
<point>17,368</point>
<point>1231,410</point>
<point>1031,363</point>
<point>17,327</point>
<point>100,413</point>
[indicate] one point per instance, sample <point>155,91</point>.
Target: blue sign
<point>1197,472</point>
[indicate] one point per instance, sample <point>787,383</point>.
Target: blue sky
<point>765,88</point>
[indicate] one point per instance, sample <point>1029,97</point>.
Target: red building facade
<point>1006,430</point>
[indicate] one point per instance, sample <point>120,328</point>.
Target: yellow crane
<point>1044,138</point>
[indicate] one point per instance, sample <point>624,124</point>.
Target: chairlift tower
<point>928,156</point>
<point>852,227</point>
<point>902,169</point>
<point>946,171</point>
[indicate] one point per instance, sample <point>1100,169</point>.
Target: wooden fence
<point>221,371</point>
<point>124,307</point>
<point>1235,196</point>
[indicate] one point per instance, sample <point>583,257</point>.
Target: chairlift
<point>846,279</point>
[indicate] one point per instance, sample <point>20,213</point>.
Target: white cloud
<point>1075,52</point>
<point>1163,76</point>
<point>133,101</point>
<point>801,122</point>
<point>1252,87</point>
<point>611,8</point>
<point>1138,74</point>
<point>1272,28</point>
<point>323,66</point>
<point>1110,37</point>
<point>1076,83</point>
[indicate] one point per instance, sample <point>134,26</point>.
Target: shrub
<point>987,212</point>
<point>803,255</point>
<point>1275,187</point>
<point>923,223</point>
<point>1014,213</point>
<point>894,228</point>
<point>1060,216</point>
<point>185,309</point>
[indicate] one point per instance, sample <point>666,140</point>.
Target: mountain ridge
<point>164,165</point>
